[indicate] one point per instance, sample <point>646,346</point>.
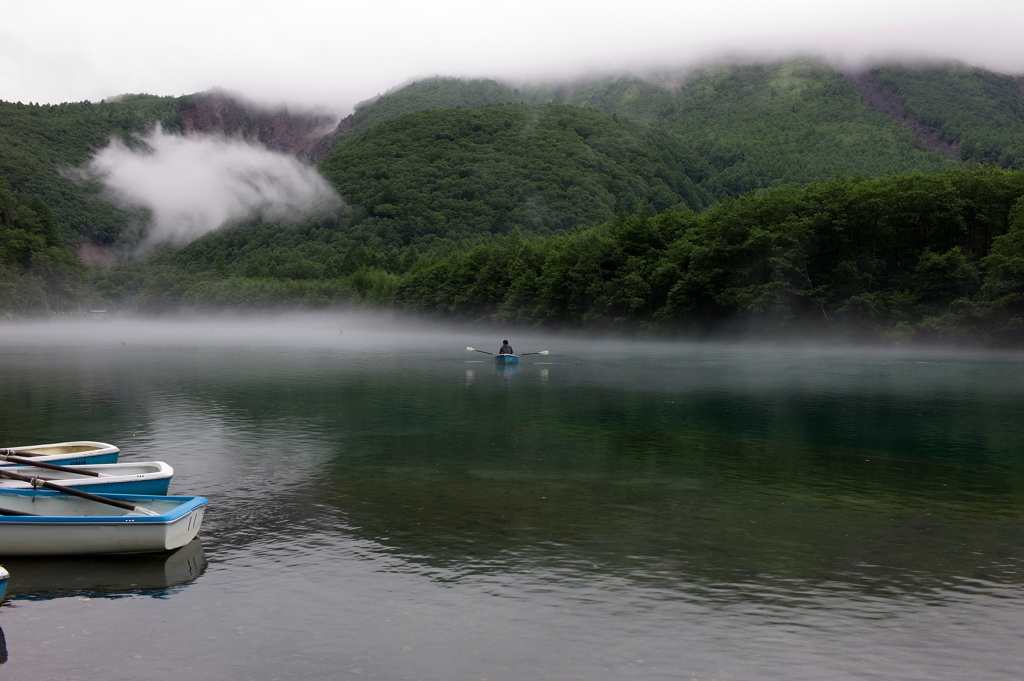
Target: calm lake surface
<point>387,505</point>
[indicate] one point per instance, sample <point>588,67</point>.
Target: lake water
<point>386,505</point>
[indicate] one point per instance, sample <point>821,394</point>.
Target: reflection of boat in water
<point>506,370</point>
<point>69,453</point>
<point>105,576</point>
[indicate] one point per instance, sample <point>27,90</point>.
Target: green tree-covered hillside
<point>427,94</point>
<point>537,167</point>
<point>793,122</point>
<point>38,274</point>
<point>981,110</point>
<point>38,143</point>
<point>752,126</point>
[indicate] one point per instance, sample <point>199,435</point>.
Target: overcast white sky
<point>337,53</point>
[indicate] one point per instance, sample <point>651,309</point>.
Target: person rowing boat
<point>506,353</point>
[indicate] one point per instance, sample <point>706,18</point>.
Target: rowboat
<point>47,577</point>
<point>506,359</point>
<point>47,523</point>
<point>143,477</point>
<point>69,453</point>
<point>4,575</point>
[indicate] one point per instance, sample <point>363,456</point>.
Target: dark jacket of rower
<point>506,349</point>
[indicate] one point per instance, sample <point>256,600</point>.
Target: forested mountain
<point>769,125</point>
<point>753,125</point>
<point>536,167</point>
<point>425,95</point>
<point>628,96</point>
<point>772,194</point>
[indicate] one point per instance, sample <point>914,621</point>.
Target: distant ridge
<point>754,126</point>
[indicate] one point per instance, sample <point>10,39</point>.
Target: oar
<point>9,511</point>
<point>542,352</point>
<point>6,456</point>
<point>39,482</point>
<point>483,351</point>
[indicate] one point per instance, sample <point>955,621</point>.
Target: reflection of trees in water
<point>715,484</point>
<point>55,395</point>
<point>666,527</point>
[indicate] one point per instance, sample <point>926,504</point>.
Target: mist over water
<point>193,184</point>
<point>385,504</point>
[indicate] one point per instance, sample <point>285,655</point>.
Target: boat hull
<point>68,525</point>
<point>143,477</point>
<point>76,453</point>
<point>506,359</point>
<point>3,582</point>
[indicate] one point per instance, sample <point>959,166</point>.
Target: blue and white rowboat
<point>143,477</point>
<point>506,359</point>
<point>4,575</point>
<point>46,523</point>
<point>69,453</point>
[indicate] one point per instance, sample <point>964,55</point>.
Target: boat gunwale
<point>187,505</point>
<point>94,447</point>
<point>159,469</point>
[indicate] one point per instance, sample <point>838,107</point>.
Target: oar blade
<point>469,349</point>
<point>543,352</point>
<point>144,511</point>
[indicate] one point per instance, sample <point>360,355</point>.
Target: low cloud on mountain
<point>194,184</point>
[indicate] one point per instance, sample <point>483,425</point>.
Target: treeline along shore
<point>926,257</point>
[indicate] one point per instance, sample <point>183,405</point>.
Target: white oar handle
<point>144,511</point>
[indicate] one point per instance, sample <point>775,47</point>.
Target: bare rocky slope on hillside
<point>304,135</point>
<point>879,96</point>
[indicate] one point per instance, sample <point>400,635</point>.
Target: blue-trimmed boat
<point>4,575</point>
<point>506,359</point>
<point>69,453</point>
<point>142,477</point>
<point>46,523</point>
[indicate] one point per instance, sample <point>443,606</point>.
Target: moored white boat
<point>41,523</point>
<point>80,452</point>
<point>143,477</point>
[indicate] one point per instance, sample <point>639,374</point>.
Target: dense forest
<point>38,274</point>
<point>730,197</point>
<point>924,256</point>
<point>40,143</point>
<point>541,168</point>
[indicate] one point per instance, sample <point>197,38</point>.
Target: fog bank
<point>195,184</point>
